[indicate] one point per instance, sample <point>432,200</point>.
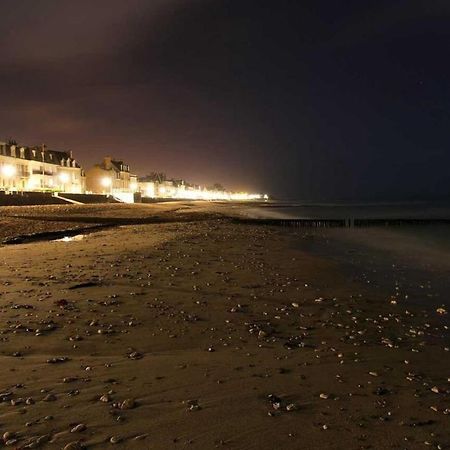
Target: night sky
<point>311,100</point>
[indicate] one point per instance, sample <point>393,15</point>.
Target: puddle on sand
<point>77,237</point>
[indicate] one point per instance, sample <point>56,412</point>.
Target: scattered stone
<point>105,398</point>
<point>49,398</point>
<point>70,379</point>
<point>58,360</point>
<point>115,439</point>
<point>140,437</point>
<point>135,355</point>
<point>193,405</point>
<point>129,403</point>
<point>7,435</point>
<point>75,445</point>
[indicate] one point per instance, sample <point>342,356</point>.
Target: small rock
<point>140,437</point>
<point>78,428</point>
<point>69,379</point>
<point>49,398</point>
<point>75,445</point>
<point>105,398</point>
<point>129,403</point>
<point>58,360</point>
<point>8,435</point>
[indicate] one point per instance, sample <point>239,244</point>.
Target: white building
<point>39,169</point>
<point>112,177</point>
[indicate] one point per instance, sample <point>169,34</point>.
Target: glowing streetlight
<point>63,177</point>
<point>8,171</point>
<point>106,182</point>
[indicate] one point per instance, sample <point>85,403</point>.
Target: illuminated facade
<point>39,169</point>
<point>112,177</point>
<point>152,186</point>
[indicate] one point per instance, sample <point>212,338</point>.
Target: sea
<point>399,210</point>
<point>413,257</point>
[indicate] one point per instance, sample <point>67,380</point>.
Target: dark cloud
<point>307,99</point>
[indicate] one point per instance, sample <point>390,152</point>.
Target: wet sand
<point>206,334</point>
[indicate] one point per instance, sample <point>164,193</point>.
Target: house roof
<point>119,166</point>
<point>41,154</point>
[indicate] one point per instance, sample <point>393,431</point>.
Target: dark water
<point>408,260</point>
<point>437,210</point>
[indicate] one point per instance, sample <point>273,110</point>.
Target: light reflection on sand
<point>75,238</point>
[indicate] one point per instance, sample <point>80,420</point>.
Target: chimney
<point>107,162</point>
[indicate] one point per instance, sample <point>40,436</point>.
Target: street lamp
<point>8,171</point>
<point>64,178</point>
<point>106,182</point>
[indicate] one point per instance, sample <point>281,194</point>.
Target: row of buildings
<point>31,169</point>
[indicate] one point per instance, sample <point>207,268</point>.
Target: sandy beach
<point>193,332</point>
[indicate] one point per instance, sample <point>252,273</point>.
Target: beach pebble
<point>78,428</point>
<point>58,360</point>
<point>75,445</point>
<point>49,398</point>
<point>135,355</point>
<point>105,398</point>
<point>140,437</point>
<point>37,442</point>
<point>115,439</point>
<point>7,435</point>
<point>192,405</point>
<point>129,403</point>
<point>69,379</point>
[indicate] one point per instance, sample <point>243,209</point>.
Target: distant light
<point>106,181</point>
<point>133,186</point>
<point>8,170</point>
<point>64,177</point>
